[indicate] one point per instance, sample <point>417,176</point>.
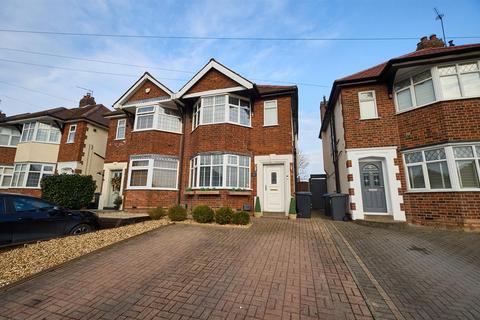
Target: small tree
<point>293,206</point>
<point>72,191</point>
<point>257,205</point>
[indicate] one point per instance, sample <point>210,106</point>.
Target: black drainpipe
<point>333,140</point>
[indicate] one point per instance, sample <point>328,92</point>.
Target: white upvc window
<point>6,173</point>
<point>9,137</point>
<point>224,108</point>
<point>153,172</point>
<point>415,91</point>
<point>270,113</point>
<point>460,80</point>
<point>121,126</point>
<point>220,171</point>
<point>158,118</point>
<point>453,167</point>
<point>40,132</point>
<point>71,133</point>
<point>368,105</point>
<point>29,175</point>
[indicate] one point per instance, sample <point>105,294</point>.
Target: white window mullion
<point>425,172</point>
<point>150,173</point>
<point>452,168</point>
<point>224,170</point>
<point>436,84</point>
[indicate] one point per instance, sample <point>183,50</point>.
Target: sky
<point>27,87</point>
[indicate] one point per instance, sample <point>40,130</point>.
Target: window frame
<point>11,134</point>
<point>27,171</point>
<point>70,132</point>
<point>195,171</point>
<point>124,126</point>
<point>437,88</point>
<point>451,165</point>
<point>150,168</point>
<point>33,127</point>
<point>3,175</point>
<point>374,103</point>
<point>276,113</point>
<point>198,111</point>
<point>156,113</point>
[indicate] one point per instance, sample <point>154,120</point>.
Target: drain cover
<point>419,249</point>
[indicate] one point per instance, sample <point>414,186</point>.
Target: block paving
<point>276,269</point>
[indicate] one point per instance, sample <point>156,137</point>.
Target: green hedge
<point>224,215</point>
<point>241,217</point>
<point>203,214</point>
<point>156,213</point>
<point>177,213</point>
<point>72,191</point>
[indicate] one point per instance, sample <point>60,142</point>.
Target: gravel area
<point>21,262</point>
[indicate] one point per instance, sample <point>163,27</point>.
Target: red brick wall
<point>213,79</point>
<point>117,150</point>
<point>26,191</point>
<point>141,199</point>
<point>73,151</point>
<point>456,120</point>
<point>235,202</point>
<point>7,155</point>
<point>369,133</point>
<point>444,121</point>
<point>154,92</point>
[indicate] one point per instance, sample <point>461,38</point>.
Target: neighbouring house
<point>402,138</point>
<point>58,140</point>
<point>221,140</point>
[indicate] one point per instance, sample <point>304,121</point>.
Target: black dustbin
<point>328,204</point>
<point>304,204</point>
<point>338,206</point>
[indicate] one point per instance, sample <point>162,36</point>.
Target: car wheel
<point>81,229</point>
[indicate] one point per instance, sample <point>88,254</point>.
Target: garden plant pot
<point>292,216</point>
<point>257,214</point>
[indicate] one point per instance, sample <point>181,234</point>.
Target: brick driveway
<point>427,273</point>
<point>277,269</point>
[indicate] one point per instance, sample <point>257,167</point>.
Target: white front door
<point>115,187</point>
<point>274,186</point>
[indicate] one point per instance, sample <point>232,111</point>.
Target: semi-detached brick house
<point>221,140</point>
<point>403,138</point>
<point>59,140</point>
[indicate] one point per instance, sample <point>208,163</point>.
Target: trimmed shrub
<point>203,214</point>
<point>257,205</point>
<point>156,213</point>
<point>224,215</point>
<point>241,217</point>
<point>293,206</point>
<point>71,191</point>
<point>177,213</point>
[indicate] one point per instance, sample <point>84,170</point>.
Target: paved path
<point>277,269</point>
<point>427,273</point>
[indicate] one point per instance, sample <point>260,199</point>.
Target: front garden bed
<point>20,262</point>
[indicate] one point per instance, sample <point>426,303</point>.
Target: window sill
<point>444,190</point>
<point>152,189</point>
<point>436,101</point>
<point>207,192</point>
<point>365,119</point>
<point>239,193</point>
<point>2,146</point>
<point>232,123</point>
<point>119,139</point>
<point>144,130</point>
<point>270,125</point>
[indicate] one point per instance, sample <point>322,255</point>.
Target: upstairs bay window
<point>444,82</point>
<point>29,175</point>
<point>153,172</point>
<point>225,108</point>
<point>455,167</point>
<point>40,132</point>
<point>220,171</point>
<point>9,137</point>
<point>158,118</point>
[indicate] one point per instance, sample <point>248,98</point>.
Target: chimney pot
<point>423,39</point>
<point>432,42</point>
<point>87,100</point>
<point>433,37</point>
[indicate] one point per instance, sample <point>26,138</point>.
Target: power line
<point>178,37</point>
<point>140,66</point>
<point>36,91</point>
<point>19,100</point>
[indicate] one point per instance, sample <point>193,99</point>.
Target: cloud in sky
<point>310,62</point>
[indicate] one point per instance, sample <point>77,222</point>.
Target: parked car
<point>25,218</point>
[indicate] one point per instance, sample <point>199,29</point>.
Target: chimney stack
<point>2,115</point>
<point>87,100</point>
<point>432,42</point>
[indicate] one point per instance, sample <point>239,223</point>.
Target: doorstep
<point>381,221</point>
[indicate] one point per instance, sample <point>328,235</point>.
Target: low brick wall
<point>224,199</point>
<point>453,210</point>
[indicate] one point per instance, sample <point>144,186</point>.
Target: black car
<point>25,218</point>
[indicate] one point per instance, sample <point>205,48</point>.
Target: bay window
<point>158,118</point>
<point>225,108</point>
<point>9,137</point>
<point>443,82</point>
<point>153,172</point>
<point>29,175</point>
<point>6,174</point>
<point>220,171</point>
<point>451,167</point>
<point>40,132</point>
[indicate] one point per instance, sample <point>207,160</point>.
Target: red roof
<point>377,70</point>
